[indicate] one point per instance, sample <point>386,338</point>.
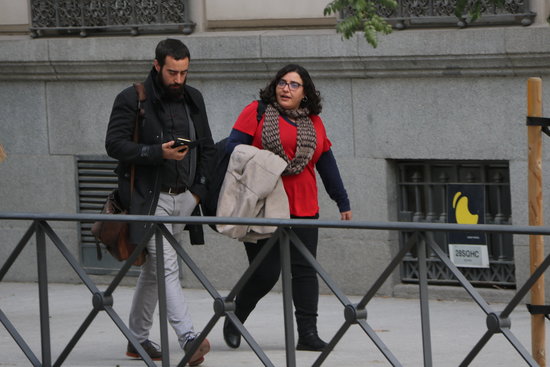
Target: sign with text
<point>466,205</point>
<point>469,256</point>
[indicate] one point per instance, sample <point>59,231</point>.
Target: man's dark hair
<point>313,97</point>
<point>171,47</point>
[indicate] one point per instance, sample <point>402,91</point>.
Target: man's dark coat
<point>147,154</point>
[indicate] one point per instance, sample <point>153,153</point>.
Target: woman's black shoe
<point>231,335</point>
<point>311,342</point>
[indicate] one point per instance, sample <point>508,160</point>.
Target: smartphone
<point>180,142</point>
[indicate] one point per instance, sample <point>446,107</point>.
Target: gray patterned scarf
<point>306,137</point>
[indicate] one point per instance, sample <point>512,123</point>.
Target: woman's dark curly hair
<point>313,97</point>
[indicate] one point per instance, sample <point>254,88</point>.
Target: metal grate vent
<point>95,180</point>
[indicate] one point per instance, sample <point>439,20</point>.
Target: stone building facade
<point>426,95</point>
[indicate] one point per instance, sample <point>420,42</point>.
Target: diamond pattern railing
<point>355,315</point>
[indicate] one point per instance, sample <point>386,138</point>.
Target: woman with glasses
<point>291,128</point>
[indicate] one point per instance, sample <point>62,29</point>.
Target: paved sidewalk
<point>455,328</point>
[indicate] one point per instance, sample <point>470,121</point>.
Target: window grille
<point>440,13</point>
<point>422,189</point>
<point>68,17</point>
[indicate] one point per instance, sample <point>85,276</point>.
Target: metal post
<point>536,242</point>
<point>424,303</point>
<point>43,295</point>
<point>161,287</point>
<point>284,244</point>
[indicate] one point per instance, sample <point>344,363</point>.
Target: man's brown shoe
<point>198,356</point>
<point>152,349</point>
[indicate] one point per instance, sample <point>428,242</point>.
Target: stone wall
<point>422,94</point>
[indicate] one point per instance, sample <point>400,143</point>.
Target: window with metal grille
<point>422,194</point>
<point>96,179</point>
<point>84,17</point>
<point>441,13</point>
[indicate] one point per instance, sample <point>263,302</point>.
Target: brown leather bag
<point>114,235</point>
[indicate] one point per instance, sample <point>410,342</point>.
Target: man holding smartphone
<point>170,180</point>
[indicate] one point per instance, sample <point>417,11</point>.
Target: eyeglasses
<point>291,85</point>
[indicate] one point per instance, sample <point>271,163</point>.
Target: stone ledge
<point>255,55</point>
<point>257,68</point>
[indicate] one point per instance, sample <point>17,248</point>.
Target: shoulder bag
<point>114,235</point>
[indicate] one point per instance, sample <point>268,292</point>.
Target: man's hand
<point>177,153</point>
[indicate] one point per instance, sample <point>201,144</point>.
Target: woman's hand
<point>346,215</point>
<point>197,198</point>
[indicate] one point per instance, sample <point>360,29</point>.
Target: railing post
<point>161,289</point>
<point>286,275</point>
<point>43,295</point>
<point>536,242</point>
<point>424,303</point>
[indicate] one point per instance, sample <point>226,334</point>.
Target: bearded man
<point>169,180</point>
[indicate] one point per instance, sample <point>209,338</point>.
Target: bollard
<point>536,242</point>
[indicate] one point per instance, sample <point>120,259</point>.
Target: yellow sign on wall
<point>466,205</point>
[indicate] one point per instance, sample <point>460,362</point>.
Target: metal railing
<point>93,16</point>
<point>497,322</point>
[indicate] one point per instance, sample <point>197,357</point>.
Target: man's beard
<point>173,91</point>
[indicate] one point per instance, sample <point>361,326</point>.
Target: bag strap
<point>140,89</point>
<point>142,96</point>
<point>260,110</point>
